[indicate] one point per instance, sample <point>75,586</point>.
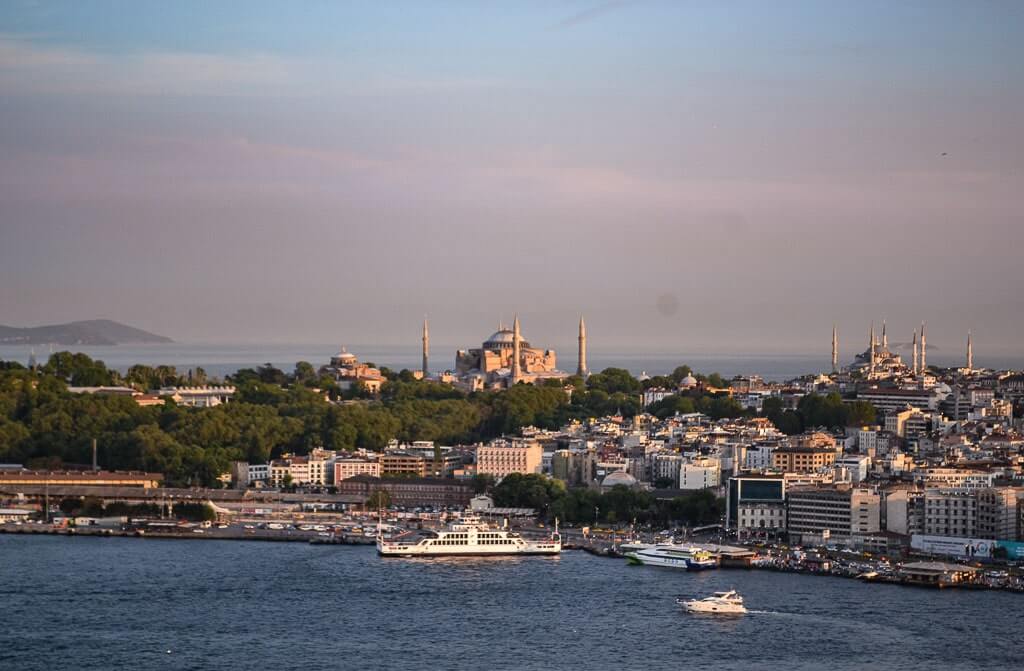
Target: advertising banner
<point>949,546</point>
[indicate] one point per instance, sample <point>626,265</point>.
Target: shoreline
<point>606,552</point>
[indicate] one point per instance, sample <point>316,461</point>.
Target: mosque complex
<point>504,359</point>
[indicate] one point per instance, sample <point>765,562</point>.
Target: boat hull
<point>686,564</point>
<point>704,609</point>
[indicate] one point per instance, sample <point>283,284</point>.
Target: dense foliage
<point>620,505</point>
<point>273,412</point>
<point>43,425</point>
<point>814,411</point>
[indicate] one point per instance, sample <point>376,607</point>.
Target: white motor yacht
<point>724,603</point>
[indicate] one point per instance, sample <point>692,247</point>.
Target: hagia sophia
<point>504,359</point>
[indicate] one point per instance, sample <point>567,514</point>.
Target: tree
<point>304,373</point>
<point>482,483</point>
<point>378,499</point>
<point>681,372</point>
<point>612,380</point>
<point>195,512</point>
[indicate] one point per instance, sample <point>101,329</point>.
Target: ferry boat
<point>470,536</point>
<point>674,556</point>
<point>723,603</point>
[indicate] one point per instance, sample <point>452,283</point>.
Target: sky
<point>716,175</point>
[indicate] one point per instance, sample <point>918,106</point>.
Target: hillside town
<point>939,468</point>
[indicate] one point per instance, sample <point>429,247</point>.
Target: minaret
<point>516,338</point>
<point>970,353</point>
<point>581,365</point>
<point>871,353</point>
<point>924,352</point>
<point>835,349</point>
<point>914,345</point>
<point>426,348</point>
<point>885,338</point>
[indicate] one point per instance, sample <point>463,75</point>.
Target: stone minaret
<point>970,353</point>
<point>426,348</point>
<point>885,338</point>
<point>871,352</point>
<point>924,352</point>
<point>581,361</point>
<point>517,371</point>
<point>914,346</point>
<point>835,349</point>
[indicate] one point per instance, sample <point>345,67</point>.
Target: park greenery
<point>618,505</point>
<point>273,412</point>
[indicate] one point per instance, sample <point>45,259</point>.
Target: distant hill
<point>91,332</point>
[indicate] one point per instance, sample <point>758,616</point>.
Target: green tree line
<point>619,505</point>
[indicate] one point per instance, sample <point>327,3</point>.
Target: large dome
<point>503,335</point>
<point>503,338</point>
<point>619,478</point>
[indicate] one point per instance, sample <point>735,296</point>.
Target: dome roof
<point>618,478</point>
<point>689,381</point>
<point>504,335</point>
<point>503,338</point>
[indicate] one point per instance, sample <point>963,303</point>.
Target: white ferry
<point>470,536</point>
<point>723,603</point>
<point>674,556</point>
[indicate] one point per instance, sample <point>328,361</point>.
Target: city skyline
<point>718,178</point>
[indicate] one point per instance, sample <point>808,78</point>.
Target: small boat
<point>721,603</point>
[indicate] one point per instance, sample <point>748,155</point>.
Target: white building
<point>199,397</point>
<point>759,457</point>
<point>954,478</point>
<point>856,464</point>
<point>258,473</point>
<point>700,474</point>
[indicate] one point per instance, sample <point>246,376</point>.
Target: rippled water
<point>92,603</point>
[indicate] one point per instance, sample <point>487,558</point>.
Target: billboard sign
<point>950,546</point>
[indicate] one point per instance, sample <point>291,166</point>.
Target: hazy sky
<point>691,175</point>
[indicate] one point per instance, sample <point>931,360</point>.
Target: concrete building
<point>700,474</point>
<point>999,512</point>
<point>802,459</point>
<point>575,467</point>
<point>666,466</point>
<point>410,492</point>
<point>80,478</point>
<point>403,463</point>
<point>814,514</point>
<point>199,397</point>
<point>953,478</point>
<point>345,468</point>
<point>857,465</point>
<point>759,456</point>
<point>950,512</point>
<point>888,400</point>
<point>904,511</point>
<point>506,456</point>
<point>749,493</point>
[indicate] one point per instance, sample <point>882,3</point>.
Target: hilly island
<point>89,332</point>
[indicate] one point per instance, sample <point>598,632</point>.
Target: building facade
<point>506,456</point>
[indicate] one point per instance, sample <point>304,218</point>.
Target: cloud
<point>591,14</point>
<point>28,67</point>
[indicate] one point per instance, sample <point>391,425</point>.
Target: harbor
<point>915,571</point>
